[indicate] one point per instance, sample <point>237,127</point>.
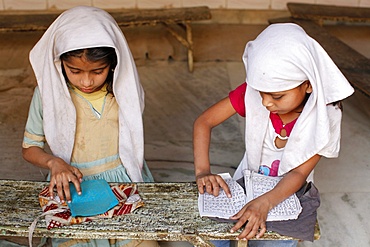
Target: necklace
<point>282,130</point>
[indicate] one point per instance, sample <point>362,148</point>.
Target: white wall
<point>142,4</point>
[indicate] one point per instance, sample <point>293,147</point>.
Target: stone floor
<point>175,97</point>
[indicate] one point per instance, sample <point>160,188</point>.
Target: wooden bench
<point>311,18</point>
<point>170,213</point>
<point>176,20</point>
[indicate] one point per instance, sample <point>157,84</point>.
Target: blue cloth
<point>96,198</point>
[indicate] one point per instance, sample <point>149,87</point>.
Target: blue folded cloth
<point>96,198</point>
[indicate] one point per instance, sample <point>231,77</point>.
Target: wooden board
<point>154,16</point>
<point>170,214</point>
<point>328,12</point>
<point>32,21</point>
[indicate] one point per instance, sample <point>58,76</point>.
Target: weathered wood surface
<point>318,12</point>
<point>154,16</point>
<point>172,17</point>
<point>170,214</point>
<point>40,21</point>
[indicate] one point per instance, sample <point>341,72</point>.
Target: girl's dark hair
<point>104,54</point>
<point>337,103</point>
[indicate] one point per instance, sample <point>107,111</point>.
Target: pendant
<point>281,139</point>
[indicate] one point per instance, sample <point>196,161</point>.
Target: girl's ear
<point>309,87</point>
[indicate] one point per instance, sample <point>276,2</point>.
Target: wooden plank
<point>353,65</point>
<point>154,16</point>
<point>40,21</point>
<point>319,12</point>
<point>170,213</point>
<point>26,21</point>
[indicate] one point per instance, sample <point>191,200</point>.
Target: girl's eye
<point>98,72</point>
<point>75,71</point>
<point>276,97</point>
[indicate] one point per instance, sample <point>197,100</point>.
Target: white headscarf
<point>281,58</point>
<point>87,27</point>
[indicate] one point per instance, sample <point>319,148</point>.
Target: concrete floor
<point>175,97</point>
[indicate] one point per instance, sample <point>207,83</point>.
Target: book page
<point>257,184</point>
<point>222,206</point>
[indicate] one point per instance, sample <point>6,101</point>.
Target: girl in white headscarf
<point>87,107</point>
<point>292,119</point>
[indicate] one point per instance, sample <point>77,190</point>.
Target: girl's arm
<point>203,125</point>
<point>255,212</point>
<point>61,173</point>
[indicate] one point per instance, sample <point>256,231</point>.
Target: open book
<point>255,185</point>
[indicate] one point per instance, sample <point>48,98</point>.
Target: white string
<point>33,225</point>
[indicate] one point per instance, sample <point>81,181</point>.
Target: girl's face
<point>288,101</point>
<point>87,76</point>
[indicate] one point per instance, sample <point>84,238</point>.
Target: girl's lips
<point>275,112</point>
<point>86,90</point>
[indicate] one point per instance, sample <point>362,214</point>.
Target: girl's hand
<point>254,214</point>
<point>212,184</point>
<point>61,175</point>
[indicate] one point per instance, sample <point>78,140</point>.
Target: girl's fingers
<point>67,191</point>
<point>249,231</point>
<point>239,214</point>
<point>253,231</point>
<point>253,227</point>
<point>245,232</point>
<point>78,174</point>
<point>216,189</point>
<point>211,184</point>
<point>51,188</point>
<point>61,176</point>
<point>209,187</point>
<point>262,230</point>
<point>200,187</point>
<point>77,185</point>
<point>76,182</point>
<point>59,186</point>
<point>225,187</point>
<point>242,220</point>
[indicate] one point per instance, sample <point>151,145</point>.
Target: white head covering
<point>87,27</point>
<point>281,58</point>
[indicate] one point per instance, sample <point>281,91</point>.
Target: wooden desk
<point>176,20</point>
<point>170,214</point>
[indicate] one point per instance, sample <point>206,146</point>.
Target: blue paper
<point>96,198</point>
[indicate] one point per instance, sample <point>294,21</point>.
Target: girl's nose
<point>266,102</point>
<point>86,80</point>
